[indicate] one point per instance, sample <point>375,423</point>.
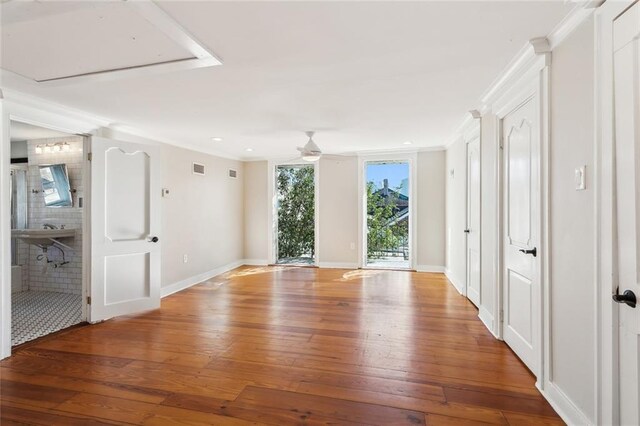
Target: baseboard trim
<point>334,265</point>
<point>197,279</point>
<point>488,320</point>
<point>449,275</point>
<point>430,268</point>
<point>563,405</point>
<point>255,262</point>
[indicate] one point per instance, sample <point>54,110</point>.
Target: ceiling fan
<point>310,152</point>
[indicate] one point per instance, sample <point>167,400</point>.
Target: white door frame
<point>606,385</point>
<point>271,208</point>
<point>17,107</point>
<point>410,157</point>
<point>472,132</point>
<point>534,81</point>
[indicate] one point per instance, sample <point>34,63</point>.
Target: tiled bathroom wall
<point>40,275</point>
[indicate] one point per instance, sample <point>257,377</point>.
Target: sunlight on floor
<point>255,271</point>
<point>354,275</point>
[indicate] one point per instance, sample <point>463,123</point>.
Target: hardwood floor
<point>279,345</point>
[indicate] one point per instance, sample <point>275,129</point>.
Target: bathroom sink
<point>42,237</point>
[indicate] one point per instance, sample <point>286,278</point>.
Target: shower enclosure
<point>19,204</point>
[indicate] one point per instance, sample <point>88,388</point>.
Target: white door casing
<point>272,210</point>
<point>626,35</point>
<point>473,221</point>
<point>521,235</point>
<point>409,157</point>
<point>125,210</point>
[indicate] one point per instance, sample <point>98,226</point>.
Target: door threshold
<point>294,265</point>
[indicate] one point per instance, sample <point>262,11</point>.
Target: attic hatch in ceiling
<point>53,42</point>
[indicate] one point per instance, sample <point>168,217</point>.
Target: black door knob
<point>533,251</point>
<point>628,298</point>
<point>154,239</point>
<point>466,231</point>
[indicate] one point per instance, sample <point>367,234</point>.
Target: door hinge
<point>90,156</point>
<point>501,315</point>
<point>88,300</point>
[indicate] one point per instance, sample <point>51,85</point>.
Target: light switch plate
<point>581,178</point>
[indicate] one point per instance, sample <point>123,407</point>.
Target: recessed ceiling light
<point>407,143</point>
<point>249,149</point>
<point>217,139</point>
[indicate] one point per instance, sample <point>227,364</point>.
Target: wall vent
<point>233,173</point>
<point>198,169</point>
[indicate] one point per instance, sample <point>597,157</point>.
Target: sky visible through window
<point>395,172</point>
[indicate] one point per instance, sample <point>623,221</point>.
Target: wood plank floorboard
<point>280,345</point>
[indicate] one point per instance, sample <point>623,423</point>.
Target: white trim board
<point>255,262</point>
<point>197,279</point>
<point>563,405</point>
<point>488,320</point>
<point>431,268</point>
<point>5,232</point>
<point>453,281</point>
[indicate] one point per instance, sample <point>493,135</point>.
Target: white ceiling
<point>25,132</point>
<point>364,75</point>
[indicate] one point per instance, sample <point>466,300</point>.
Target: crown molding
<point>536,47</point>
<point>40,112</point>
<point>528,54</point>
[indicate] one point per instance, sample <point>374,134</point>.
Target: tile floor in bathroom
<point>38,313</point>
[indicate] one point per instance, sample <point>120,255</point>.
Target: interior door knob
<point>533,252</point>
<point>154,239</point>
<point>628,298</point>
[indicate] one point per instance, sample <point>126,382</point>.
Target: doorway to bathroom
<point>47,219</point>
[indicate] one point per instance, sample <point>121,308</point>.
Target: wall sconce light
<point>58,147</point>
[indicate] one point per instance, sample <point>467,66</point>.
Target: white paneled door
<point>627,130</point>
<point>520,283</point>
<point>125,227</point>
<point>473,221</point>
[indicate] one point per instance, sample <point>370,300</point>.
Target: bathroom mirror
<point>55,185</point>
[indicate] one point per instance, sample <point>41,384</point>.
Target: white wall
<point>571,221</point>
<point>338,211</point>
<point>202,217</point>
<point>572,218</point>
<point>431,211</point>
<point>456,212</point>
<point>255,212</point>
